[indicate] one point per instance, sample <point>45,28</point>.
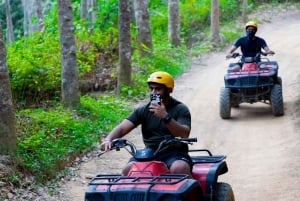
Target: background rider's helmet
<point>252,24</point>
<point>251,32</point>
<point>162,78</point>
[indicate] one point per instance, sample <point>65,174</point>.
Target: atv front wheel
<point>223,192</point>
<point>279,81</point>
<point>225,107</point>
<point>277,100</point>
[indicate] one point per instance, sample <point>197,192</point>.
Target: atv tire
<point>279,81</point>
<point>225,103</point>
<point>277,100</point>
<point>223,192</point>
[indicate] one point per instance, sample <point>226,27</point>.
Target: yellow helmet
<point>162,78</point>
<point>252,24</point>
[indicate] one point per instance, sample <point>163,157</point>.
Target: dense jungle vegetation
<point>49,137</point>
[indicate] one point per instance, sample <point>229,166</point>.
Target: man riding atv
<point>162,116</point>
<point>250,44</point>
<point>253,78</point>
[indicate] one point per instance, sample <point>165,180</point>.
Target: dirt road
<point>263,151</point>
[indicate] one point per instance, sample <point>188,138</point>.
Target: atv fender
<point>206,169</point>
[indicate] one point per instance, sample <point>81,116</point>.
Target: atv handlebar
<point>119,143</point>
<point>236,54</point>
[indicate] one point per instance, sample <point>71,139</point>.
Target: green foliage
<point>51,18</point>
<point>232,31</point>
<point>196,22</point>
<point>48,138</point>
<point>229,10</point>
<point>158,18</point>
<point>34,65</point>
<point>163,58</point>
<point>34,62</point>
<point>56,135</point>
<point>96,46</point>
<point>107,15</point>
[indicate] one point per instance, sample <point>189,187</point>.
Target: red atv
<point>150,180</point>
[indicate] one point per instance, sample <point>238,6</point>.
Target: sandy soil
<point>263,151</point>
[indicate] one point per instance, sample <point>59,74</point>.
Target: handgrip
<point>194,139</point>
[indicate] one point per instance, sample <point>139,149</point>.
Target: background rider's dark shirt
<point>250,48</point>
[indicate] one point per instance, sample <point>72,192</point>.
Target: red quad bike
<point>255,82</point>
<point>150,180</point>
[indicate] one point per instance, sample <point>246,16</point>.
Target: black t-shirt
<point>250,48</point>
<point>154,129</point>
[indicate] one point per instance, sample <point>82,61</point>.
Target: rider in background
<point>250,45</point>
<point>170,117</point>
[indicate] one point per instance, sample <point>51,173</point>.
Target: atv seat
<point>208,159</point>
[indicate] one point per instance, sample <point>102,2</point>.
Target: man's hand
<point>228,56</point>
<point>158,110</point>
<point>105,145</point>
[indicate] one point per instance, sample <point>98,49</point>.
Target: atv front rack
<point>117,179</point>
<point>251,79</point>
<point>171,187</point>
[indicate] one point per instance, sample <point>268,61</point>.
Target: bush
<point>48,139</point>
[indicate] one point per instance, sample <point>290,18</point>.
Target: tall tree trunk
<point>40,15</point>
<point>92,13</point>
<point>214,21</point>
<point>83,9</point>
<point>8,138</point>
<point>124,71</point>
<point>143,27</point>
<point>10,30</point>
<point>69,71</point>
<point>30,11</point>
<point>244,10</point>
<point>88,12</point>
<point>25,19</point>
<point>173,23</point>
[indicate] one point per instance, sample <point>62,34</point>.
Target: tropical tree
<point>69,70</point>
<point>124,71</point>
<point>39,14</point>
<point>244,10</point>
<point>88,12</point>
<point>214,21</point>
<point>10,30</point>
<point>173,23</point>
<point>7,115</point>
<point>30,21</point>
<point>143,27</point>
